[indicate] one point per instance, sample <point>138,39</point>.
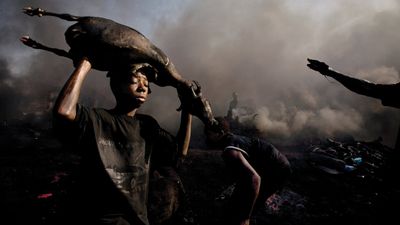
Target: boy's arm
<point>65,105</point>
<point>184,133</point>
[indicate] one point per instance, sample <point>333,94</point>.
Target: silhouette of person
<point>257,167</point>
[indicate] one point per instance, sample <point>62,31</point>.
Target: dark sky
<point>257,49</point>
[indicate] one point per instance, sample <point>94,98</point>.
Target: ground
<point>36,172</point>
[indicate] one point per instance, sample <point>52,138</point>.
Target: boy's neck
<point>128,111</point>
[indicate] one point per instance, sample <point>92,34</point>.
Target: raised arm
<point>184,133</point>
<point>359,86</point>
<point>185,128</point>
<point>65,105</point>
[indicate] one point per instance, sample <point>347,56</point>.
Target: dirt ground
<point>36,173</point>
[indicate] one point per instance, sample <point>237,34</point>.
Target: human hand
<point>187,94</point>
<point>316,65</point>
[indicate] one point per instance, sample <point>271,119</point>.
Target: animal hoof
<point>33,12</point>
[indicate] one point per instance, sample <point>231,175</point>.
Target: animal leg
<point>40,12</point>
<point>26,40</point>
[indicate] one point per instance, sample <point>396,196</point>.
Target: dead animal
<point>110,45</point>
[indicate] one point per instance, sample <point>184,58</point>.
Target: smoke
<point>35,76</point>
<point>257,49</point>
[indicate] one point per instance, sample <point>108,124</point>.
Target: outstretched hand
<point>316,65</point>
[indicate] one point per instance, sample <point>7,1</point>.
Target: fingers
<point>312,60</point>
<point>312,63</point>
<point>318,66</point>
<point>315,63</point>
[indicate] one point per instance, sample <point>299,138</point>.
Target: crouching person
<point>257,167</point>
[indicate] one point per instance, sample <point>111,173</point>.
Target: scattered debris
<point>286,199</point>
<point>57,177</point>
<point>44,196</point>
<point>365,160</point>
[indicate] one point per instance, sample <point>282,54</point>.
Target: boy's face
<point>133,87</point>
<point>139,86</point>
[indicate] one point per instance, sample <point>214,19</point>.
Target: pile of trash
<point>366,160</point>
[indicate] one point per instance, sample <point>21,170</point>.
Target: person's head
<point>130,85</point>
<point>215,133</point>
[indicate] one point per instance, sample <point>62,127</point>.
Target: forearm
<point>67,100</point>
<point>184,133</point>
<point>359,86</point>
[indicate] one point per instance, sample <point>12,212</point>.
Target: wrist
<point>327,71</point>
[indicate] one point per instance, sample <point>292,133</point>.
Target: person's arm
<point>359,86</point>
<point>184,133</point>
<point>65,105</point>
<point>247,185</point>
<point>185,128</point>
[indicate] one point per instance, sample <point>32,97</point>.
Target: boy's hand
<point>188,94</point>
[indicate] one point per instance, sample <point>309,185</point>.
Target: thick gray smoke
<point>257,49</point>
